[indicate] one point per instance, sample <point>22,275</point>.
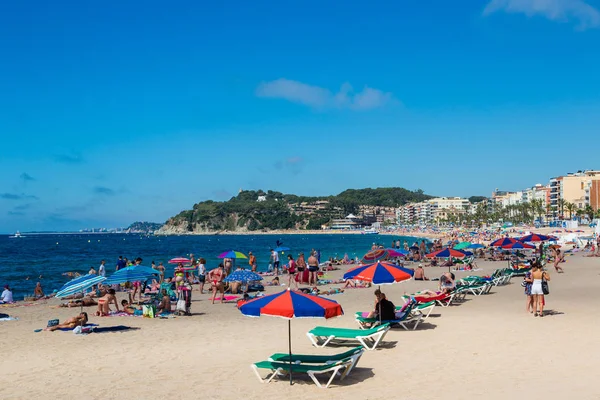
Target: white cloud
<point>555,10</point>
<point>321,98</point>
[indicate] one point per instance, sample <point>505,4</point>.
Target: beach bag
<point>257,287</point>
<point>181,305</point>
<point>545,288</point>
<point>148,310</point>
<point>53,322</point>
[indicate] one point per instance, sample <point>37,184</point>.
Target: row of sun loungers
<point>370,334</point>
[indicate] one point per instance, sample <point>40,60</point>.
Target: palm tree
<point>561,205</point>
<point>589,211</point>
<point>570,208</point>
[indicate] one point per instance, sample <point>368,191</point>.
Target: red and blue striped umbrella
<point>535,238</point>
<point>518,245</point>
<point>288,304</point>
<point>380,273</point>
<point>503,242</point>
<point>375,255</point>
<point>446,253</point>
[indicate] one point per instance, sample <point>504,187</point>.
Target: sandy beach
<point>486,347</point>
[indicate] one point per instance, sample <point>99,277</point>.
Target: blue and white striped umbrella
<point>81,286</point>
<point>134,273</point>
<point>243,276</point>
<point>76,280</point>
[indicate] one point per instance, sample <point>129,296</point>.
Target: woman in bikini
<point>216,277</point>
<point>103,303</point>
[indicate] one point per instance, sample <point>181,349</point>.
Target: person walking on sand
<point>558,258</point>
<point>292,272</point>
<point>275,260</point>
<point>527,282</point>
<point>538,275</point>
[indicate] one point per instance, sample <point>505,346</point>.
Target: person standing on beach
<point>252,261</point>
<point>227,262</point>
<point>300,267</point>
<point>102,268</point>
<point>201,273</point>
<point>527,285</point>
<point>161,269</point>
<point>292,272</point>
<point>398,243</point>
<point>423,248</point>
<point>216,277</point>
<point>538,275</point>
<point>120,263</point>
<point>313,267</point>
<point>275,259</point>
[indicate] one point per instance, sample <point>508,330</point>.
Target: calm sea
<point>49,256</point>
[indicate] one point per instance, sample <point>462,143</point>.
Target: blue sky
<point>111,113</point>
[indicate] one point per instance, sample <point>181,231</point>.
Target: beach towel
<point>227,298</point>
<point>6,317</point>
<point>118,328</point>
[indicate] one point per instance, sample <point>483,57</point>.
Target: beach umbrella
<point>535,238</point>
<point>180,260</point>
<point>375,255</point>
<point>76,280</point>
<point>518,245</point>
<point>288,305</point>
<point>396,253</point>
<point>502,242</point>
<point>243,276</point>
<point>81,286</point>
<point>135,273</point>
<point>446,253</point>
<point>232,254</point>
<point>462,245</point>
<point>379,273</point>
<point>476,246</point>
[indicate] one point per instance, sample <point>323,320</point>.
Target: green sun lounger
<point>321,336</point>
<point>341,367</point>
<point>354,354</point>
<point>403,319</point>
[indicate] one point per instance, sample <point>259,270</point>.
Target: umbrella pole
<point>379,302</point>
<point>290,347</point>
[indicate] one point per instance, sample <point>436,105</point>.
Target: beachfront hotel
<point>578,191</point>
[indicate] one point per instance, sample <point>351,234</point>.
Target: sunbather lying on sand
<point>71,323</point>
<point>274,282</point>
<point>85,302</point>
<point>356,284</point>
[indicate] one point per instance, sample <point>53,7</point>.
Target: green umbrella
<point>462,245</point>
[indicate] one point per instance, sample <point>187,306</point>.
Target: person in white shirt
<point>7,296</point>
<point>102,268</point>
<point>275,258</point>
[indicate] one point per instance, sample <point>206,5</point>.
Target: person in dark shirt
<point>383,308</point>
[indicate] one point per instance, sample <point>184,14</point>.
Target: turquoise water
<point>51,255</point>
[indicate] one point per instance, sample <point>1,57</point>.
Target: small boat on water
<point>16,235</point>
<point>370,231</point>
